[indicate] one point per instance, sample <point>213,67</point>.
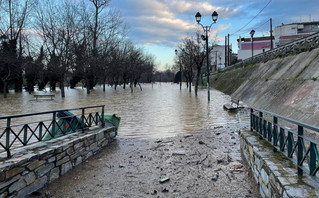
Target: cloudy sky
<point>159,25</point>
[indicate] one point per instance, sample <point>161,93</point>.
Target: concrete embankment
<point>288,86</point>
<point>36,165</point>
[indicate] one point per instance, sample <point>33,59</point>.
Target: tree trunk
<point>131,86</point>
<point>5,85</point>
<point>190,85</point>
<point>87,85</point>
<point>104,85</point>
<point>140,86</point>
<point>197,80</point>
<point>62,89</point>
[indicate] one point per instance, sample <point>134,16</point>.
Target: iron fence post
<point>275,133</point>
<point>312,162</point>
<point>53,124</point>
<point>103,123</point>
<point>260,123</point>
<point>251,119</point>
<point>25,134</point>
<point>300,149</point>
<point>40,130</point>
<point>8,137</point>
<point>282,139</point>
<point>82,118</point>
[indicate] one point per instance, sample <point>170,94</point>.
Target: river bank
<point>205,164</point>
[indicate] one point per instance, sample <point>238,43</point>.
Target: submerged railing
<point>292,142</point>
<point>20,133</point>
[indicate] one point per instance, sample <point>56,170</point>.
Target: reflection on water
<point>159,111</point>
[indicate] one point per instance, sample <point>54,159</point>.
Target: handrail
<point>46,112</point>
<point>302,150</point>
<point>281,50</point>
<point>12,133</point>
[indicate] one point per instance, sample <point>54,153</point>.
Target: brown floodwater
<point>161,110</point>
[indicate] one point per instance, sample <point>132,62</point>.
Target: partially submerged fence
<point>301,149</point>
<point>20,134</point>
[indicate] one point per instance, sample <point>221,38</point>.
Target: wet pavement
<point>205,164</point>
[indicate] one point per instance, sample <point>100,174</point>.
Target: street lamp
<point>180,69</point>
<point>252,32</point>
<point>205,38</point>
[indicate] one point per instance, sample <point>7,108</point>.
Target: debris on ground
<point>203,164</point>
<point>165,179</point>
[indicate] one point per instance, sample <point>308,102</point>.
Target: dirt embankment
<point>206,164</point>
<point>288,86</point>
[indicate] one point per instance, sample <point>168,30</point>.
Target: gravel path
<point>205,164</point>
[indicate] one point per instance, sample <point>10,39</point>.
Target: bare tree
<point>194,48</point>
<point>58,28</point>
<point>13,17</point>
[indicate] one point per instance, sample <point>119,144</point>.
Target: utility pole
<point>225,51</point>
<point>271,44</point>
<point>228,51</point>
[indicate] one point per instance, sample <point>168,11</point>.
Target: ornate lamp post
<point>252,32</point>
<point>206,30</point>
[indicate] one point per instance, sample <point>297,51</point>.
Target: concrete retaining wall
<point>32,167</point>
<point>287,86</point>
<point>275,174</point>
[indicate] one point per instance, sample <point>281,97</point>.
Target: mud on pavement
<point>205,164</point>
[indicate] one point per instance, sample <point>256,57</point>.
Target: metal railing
<point>301,149</point>
<point>311,41</point>
<point>23,134</point>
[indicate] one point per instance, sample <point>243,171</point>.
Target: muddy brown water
<point>153,126</point>
<point>160,110</point>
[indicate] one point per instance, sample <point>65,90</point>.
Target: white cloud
<point>165,21</point>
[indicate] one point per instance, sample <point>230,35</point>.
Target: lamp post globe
<point>198,17</point>
<point>215,16</point>
<point>252,32</point>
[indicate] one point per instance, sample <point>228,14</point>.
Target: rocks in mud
<point>178,153</point>
<point>201,142</point>
<point>215,177</point>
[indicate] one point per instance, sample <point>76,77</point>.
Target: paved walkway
<point>206,164</point>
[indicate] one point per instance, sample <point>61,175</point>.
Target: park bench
<point>230,106</point>
<point>44,96</point>
<point>235,101</point>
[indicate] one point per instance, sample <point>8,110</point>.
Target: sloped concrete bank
<point>32,167</point>
<point>288,86</point>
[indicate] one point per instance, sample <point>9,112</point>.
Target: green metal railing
<point>23,134</point>
<point>302,150</point>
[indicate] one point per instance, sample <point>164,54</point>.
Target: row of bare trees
<point>62,41</point>
<point>192,59</point>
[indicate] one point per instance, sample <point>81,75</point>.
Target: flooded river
<point>161,110</point>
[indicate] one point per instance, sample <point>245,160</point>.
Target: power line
<point>252,18</point>
<point>262,24</point>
